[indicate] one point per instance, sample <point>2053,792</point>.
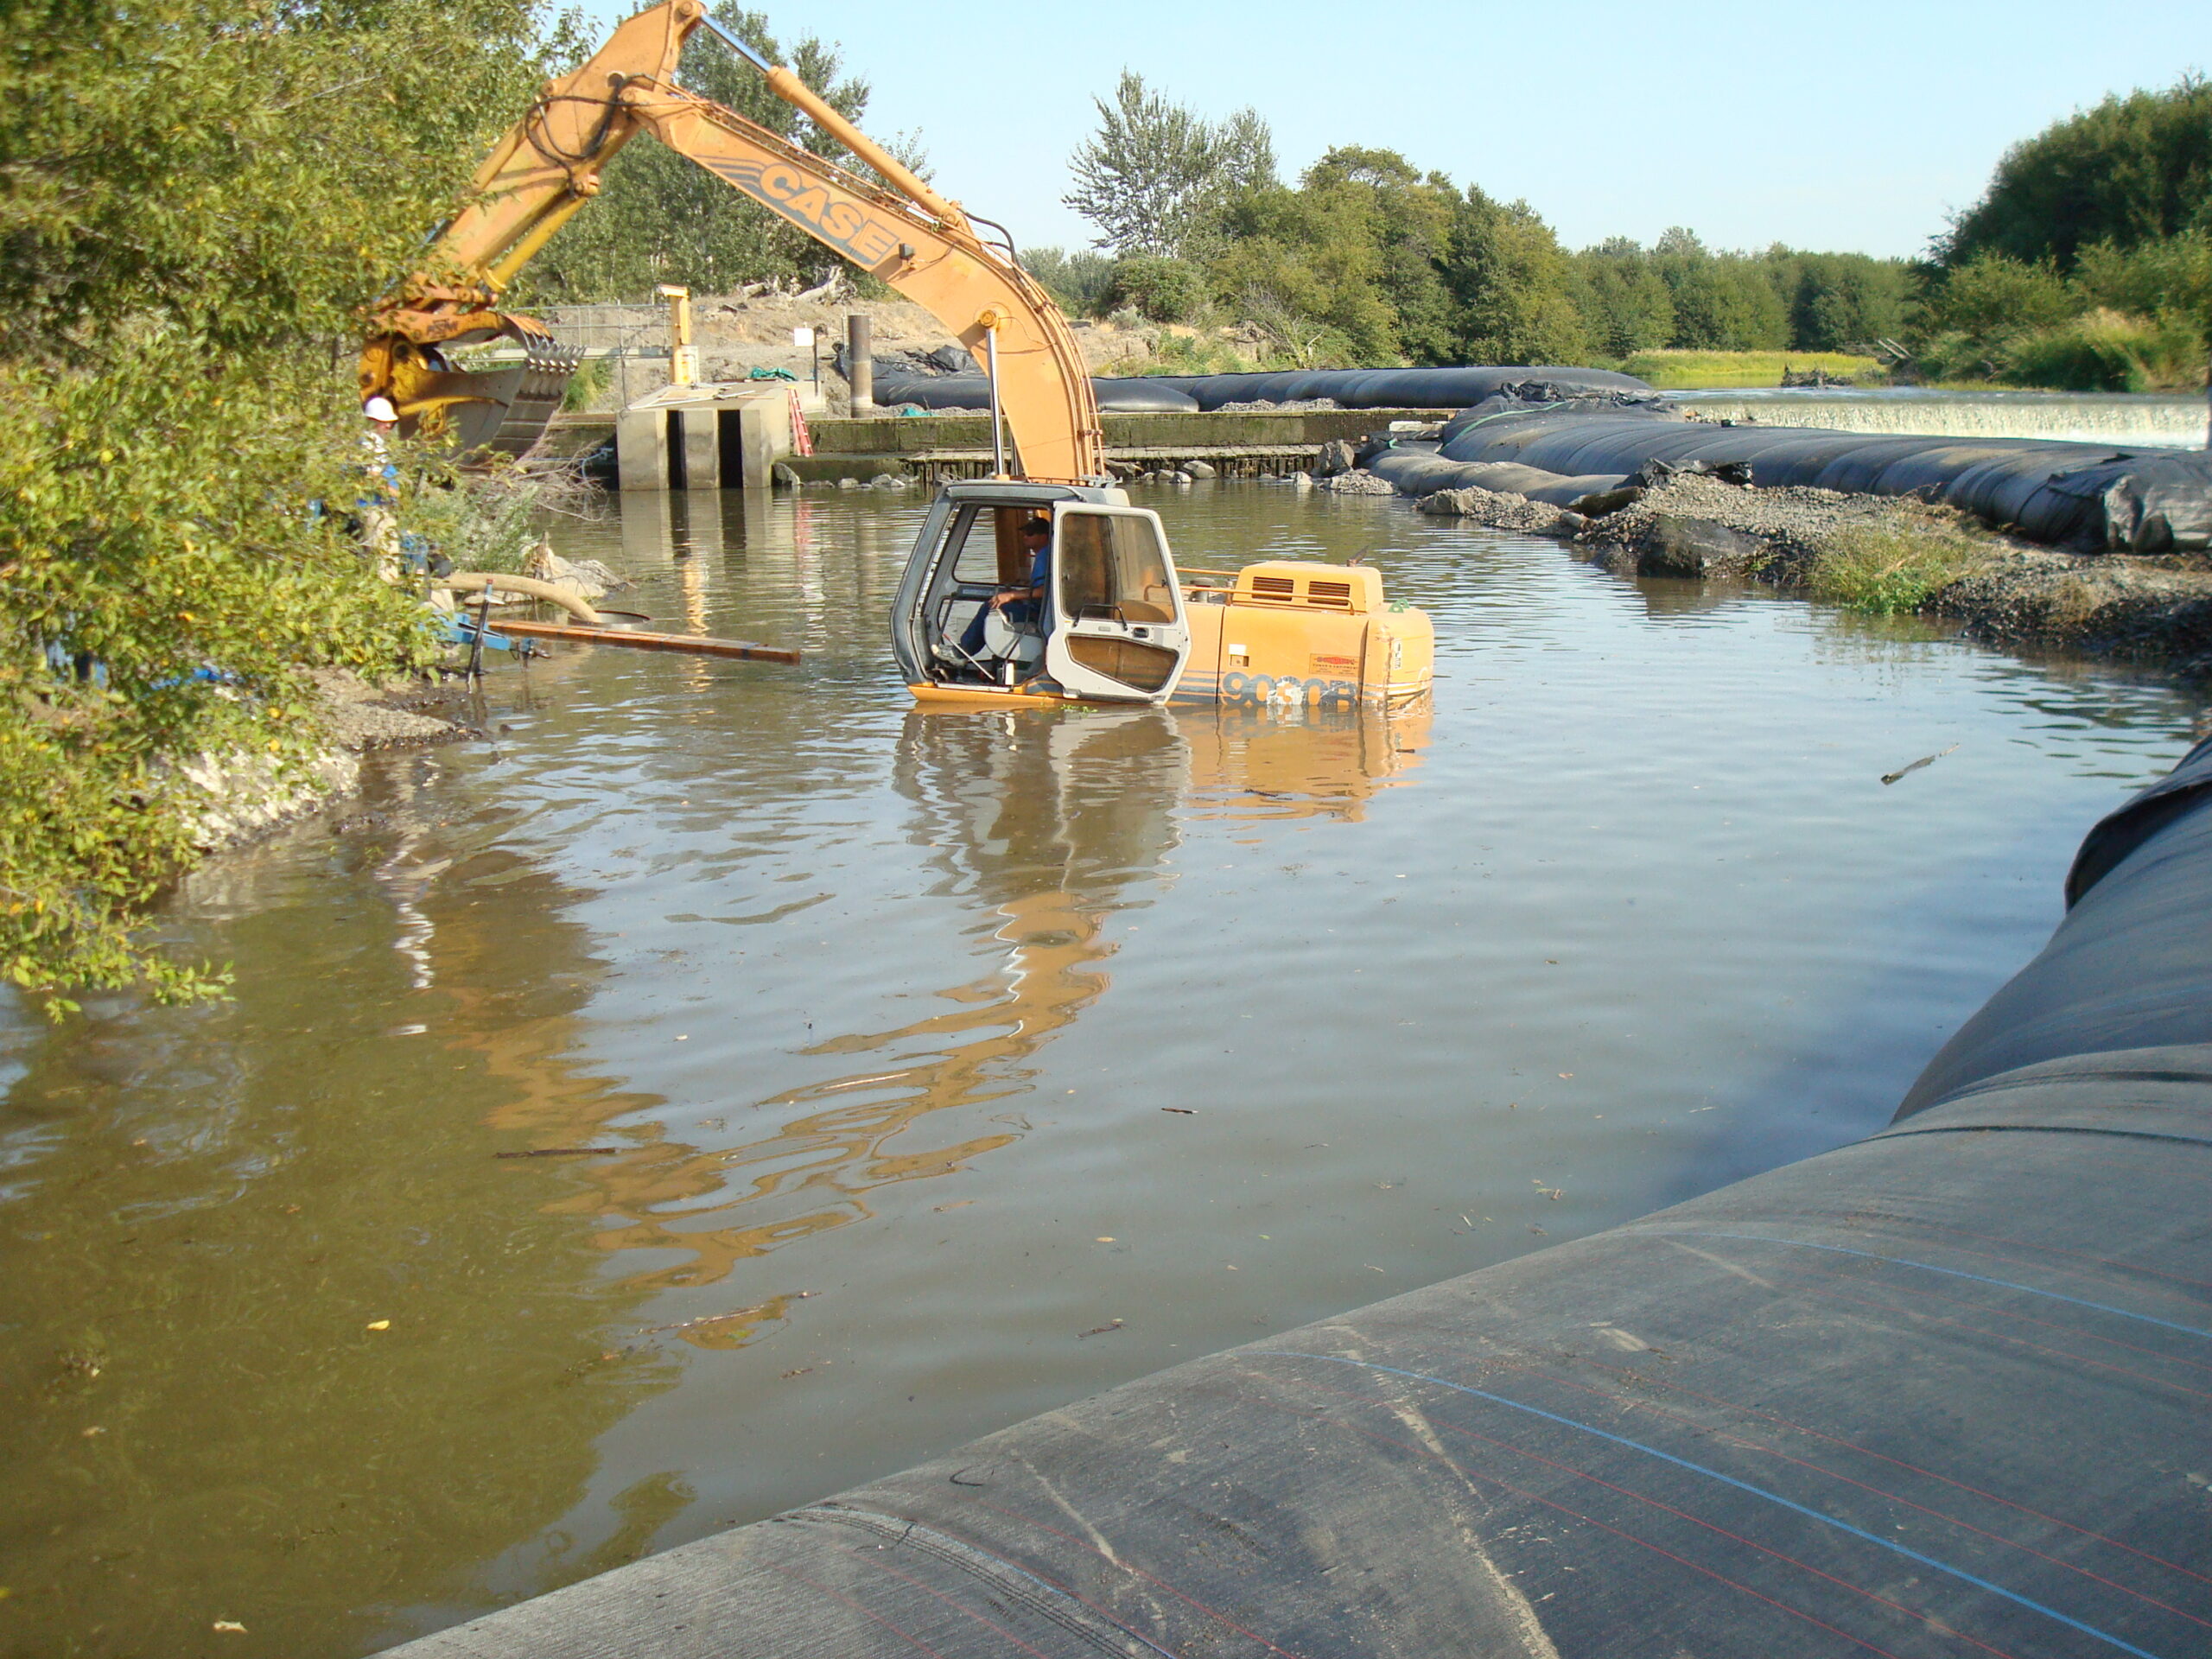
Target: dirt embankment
<point>239,796</point>
<point>1887,553</point>
<point>738,332</point>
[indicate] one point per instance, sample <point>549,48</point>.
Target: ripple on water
<point>885,1054</point>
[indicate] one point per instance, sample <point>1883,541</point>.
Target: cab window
<point>1112,566</point>
<point>969,555</point>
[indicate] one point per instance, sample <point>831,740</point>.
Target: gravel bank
<point>2005,591</point>
<point>2151,608</point>
<point>1778,535</point>
<point>237,797</point>
<point>358,716</point>
<point>1501,509</point>
<point>1356,483</point>
<point>2155,609</point>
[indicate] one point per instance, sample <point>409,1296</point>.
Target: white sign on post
<point>801,337</point>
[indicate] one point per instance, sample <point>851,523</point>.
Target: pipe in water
<point>483,582</point>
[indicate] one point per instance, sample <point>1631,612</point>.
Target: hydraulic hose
<point>480,581</point>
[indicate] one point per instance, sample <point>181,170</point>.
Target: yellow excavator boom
<point>894,227</point>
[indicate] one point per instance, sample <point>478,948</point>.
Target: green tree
<point>1080,281</point>
<point>1838,301</point>
<point>1409,216</point>
<point>1344,268</point>
<point>1723,302</point>
<point>1303,267</point>
<point>2132,169</point>
<point>1626,304</point>
<point>195,209</point>
<point>1154,171</point>
<point>2172,275</point>
<point>662,218</point>
<point>1991,297</point>
<point>1165,290</point>
<point>1512,284</point>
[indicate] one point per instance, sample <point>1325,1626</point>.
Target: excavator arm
<point>545,169</point>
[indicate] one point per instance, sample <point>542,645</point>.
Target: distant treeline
<point>1366,261</point>
<point>2087,265</point>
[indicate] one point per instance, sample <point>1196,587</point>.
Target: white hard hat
<point>379,408</point>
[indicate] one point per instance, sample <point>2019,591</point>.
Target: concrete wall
<point>868,444</point>
<point>691,423</point>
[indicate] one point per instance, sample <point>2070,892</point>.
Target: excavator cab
<point>1112,628</point>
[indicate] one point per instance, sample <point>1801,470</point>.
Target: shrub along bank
<point>197,204</point>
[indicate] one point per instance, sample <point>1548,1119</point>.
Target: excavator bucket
<point>500,410</point>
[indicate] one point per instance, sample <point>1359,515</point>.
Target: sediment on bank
<point>238,796</point>
<point>1897,556</point>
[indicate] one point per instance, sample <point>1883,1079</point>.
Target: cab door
<point>1118,632</point>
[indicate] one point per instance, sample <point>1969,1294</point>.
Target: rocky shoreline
<point>1884,553</point>
<point>239,797</point>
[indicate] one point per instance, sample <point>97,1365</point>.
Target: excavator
<point>1118,624</point>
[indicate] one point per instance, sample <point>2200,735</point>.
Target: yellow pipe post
<point>682,355</point>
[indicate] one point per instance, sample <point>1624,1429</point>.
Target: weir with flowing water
<point>2128,419</point>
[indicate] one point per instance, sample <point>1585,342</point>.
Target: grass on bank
<point>1732,370</point>
<point>1194,352</point>
<point>1886,572</point>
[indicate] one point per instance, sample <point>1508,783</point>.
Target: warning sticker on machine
<point>1332,666</point>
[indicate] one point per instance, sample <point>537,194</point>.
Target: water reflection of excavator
<point>1055,826</point>
<point>1119,624</point>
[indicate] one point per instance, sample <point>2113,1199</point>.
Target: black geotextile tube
<point>1940,1390</point>
<point>1134,396</point>
<point>1350,388</point>
<point>1417,469</point>
<point>2117,1007</point>
<point>2091,498</point>
<point>1458,388</point>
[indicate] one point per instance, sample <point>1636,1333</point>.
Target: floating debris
<point>1913,766</point>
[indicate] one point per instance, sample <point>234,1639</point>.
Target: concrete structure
<point>934,449</point>
<point>726,436</point>
<point>859,360</point>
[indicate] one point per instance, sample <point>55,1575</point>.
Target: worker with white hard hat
<point>378,531</point>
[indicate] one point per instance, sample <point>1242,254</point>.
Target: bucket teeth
<point>503,410</point>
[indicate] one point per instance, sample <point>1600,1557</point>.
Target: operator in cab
<point>1021,605</point>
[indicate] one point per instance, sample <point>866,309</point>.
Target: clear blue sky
<point>1850,126</point>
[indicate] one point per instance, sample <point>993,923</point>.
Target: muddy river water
<point>932,1070</point>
